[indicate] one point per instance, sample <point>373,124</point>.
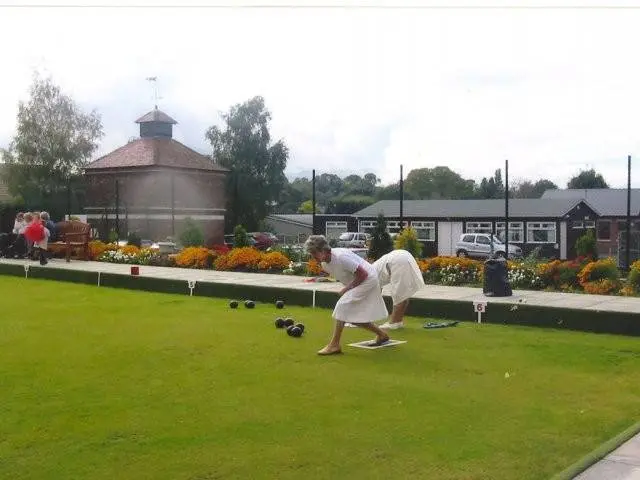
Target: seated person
<point>49,225</point>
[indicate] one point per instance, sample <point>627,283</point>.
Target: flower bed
<point>580,275</point>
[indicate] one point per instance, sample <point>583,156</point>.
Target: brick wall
<point>146,196</point>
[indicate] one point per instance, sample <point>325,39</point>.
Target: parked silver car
<point>479,245</point>
<point>353,240</point>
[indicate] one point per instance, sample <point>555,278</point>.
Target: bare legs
<point>334,344</point>
<point>397,314</point>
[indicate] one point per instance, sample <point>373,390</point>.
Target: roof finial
<point>155,90</point>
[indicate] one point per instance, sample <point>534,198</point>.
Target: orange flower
<point>313,267</point>
<point>604,286</point>
<point>195,257</point>
<point>96,248</point>
<point>273,261</point>
<point>244,257</point>
<point>129,250</point>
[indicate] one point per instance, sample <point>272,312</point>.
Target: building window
<point>516,231</point>
<point>604,229</point>
<point>589,224</point>
<point>367,226</point>
<point>479,227</point>
<point>541,232</point>
<point>334,229</point>
<point>426,231</point>
<point>394,227</point>
<point>577,224</point>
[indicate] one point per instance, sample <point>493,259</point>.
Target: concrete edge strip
<point>597,454</point>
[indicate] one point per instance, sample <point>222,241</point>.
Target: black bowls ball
<point>233,304</point>
<point>300,326</point>
<point>294,331</point>
<point>249,304</point>
<point>280,322</point>
<point>279,304</point>
<point>288,322</point>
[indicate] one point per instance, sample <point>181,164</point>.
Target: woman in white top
<point>360,301</point>
<point>400,270</point>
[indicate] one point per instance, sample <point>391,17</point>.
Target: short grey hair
<point>316,243</point>
<point>44,216</point>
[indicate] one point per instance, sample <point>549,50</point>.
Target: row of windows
<point>426,231</point>
<point>537,232</point>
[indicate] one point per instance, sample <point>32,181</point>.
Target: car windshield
<point>497,240</point>
<point>345,236</point>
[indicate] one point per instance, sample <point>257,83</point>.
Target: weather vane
<point>155,90</point>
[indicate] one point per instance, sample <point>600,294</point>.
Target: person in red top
<point>38,235</point>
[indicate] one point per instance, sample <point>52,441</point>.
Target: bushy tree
<point>381,242</point>
<point>240,237</point>
<point>53,142</point>
<point>407,240</point>
<point>587,179</point>
<point>586,245</point>
<point>191,235</point>
<point>256,178</point>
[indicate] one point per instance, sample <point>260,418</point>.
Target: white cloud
<point>356,89</point>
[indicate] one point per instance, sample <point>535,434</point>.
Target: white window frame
<point>363,225</point>
<point>478,227</point>
<point>577,224</point>
<point>514,228</point>
<point>598,230</point>
<point>335,225</point>
<point>394,226</point>
<point>542,226</point>
<point>429,229</point>
<point>589,224</point>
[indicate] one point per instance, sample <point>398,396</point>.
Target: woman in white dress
<point>400,270</point>
<point>360,301</point>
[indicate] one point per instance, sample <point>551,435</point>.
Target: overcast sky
<point>356,90</point>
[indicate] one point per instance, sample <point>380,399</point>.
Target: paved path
<point>621,464</point>
<point>550,299</point>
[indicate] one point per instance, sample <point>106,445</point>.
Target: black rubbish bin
<point>496,280</point>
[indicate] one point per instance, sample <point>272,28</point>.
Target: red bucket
<point>135,270</point>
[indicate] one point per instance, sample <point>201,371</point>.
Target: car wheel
<point>500,255</point>
<point>461,254</point>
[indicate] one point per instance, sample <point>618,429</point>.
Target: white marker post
<point>98,278</point>
<point>479,307</point>
<point>191,284</point>
<point>313,305</point>
<point>26,270</point>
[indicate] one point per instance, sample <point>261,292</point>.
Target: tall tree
<point>491,187</point>
<point>381,242</point>
<point>587,179</point>
<point>256,176</point>
<point>53,142</point>
<point>528,189</point>
<point>437,182</point>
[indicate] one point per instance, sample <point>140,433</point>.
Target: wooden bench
<point>72,236</point>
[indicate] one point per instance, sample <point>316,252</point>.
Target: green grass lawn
<point>100,383</point>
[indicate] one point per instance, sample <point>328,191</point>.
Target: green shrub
<point>240,237</point>
<point>407,240</point>
<point>586,245</point>
<point>191,235</point>
<point>381,242</point>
